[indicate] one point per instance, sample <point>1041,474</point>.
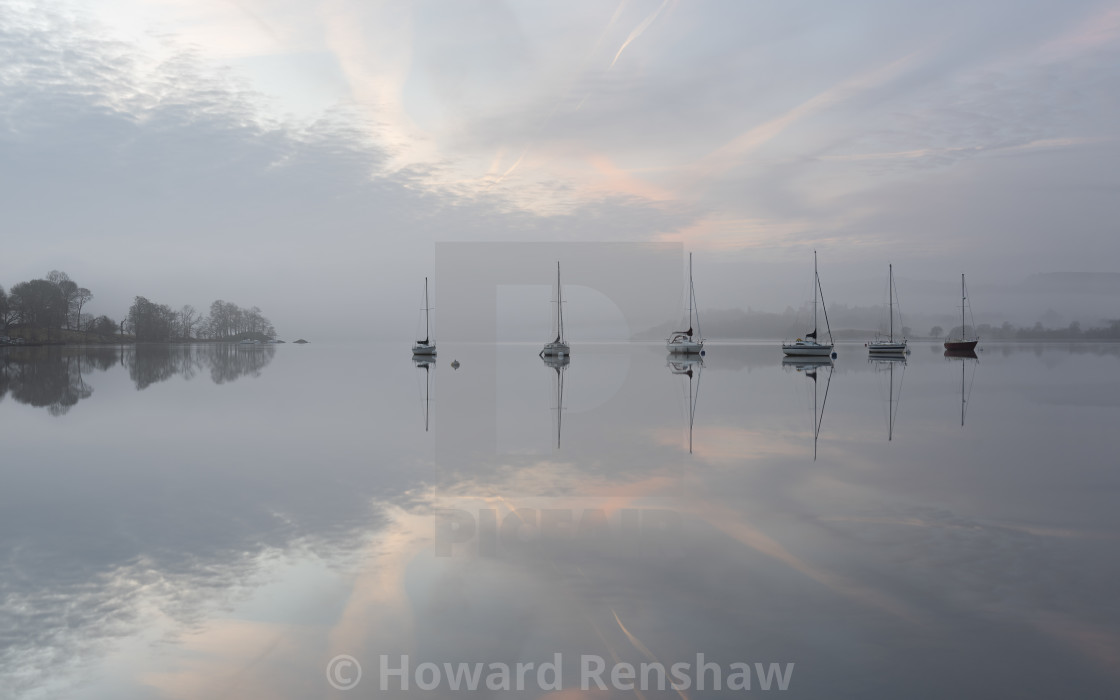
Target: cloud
<point>169,179</point>
<point>749,128</point>
<point>639,30</point>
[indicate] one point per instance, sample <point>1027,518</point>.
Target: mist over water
<point>175,517</point>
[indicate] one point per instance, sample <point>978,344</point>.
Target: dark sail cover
<point>688,332</point>
<point>812,335</point>
<point>422,342</point>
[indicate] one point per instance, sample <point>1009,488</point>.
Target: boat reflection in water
<point>560,364</point>
<point>426,362</point>
<point>688,366</point>
<point>888,364</point>
<point>811,367</point>
<point>966,358</point>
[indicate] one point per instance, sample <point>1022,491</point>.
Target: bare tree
<point>67,288</point>
<point>188,319</point>
<point>80,298</point>
<point>7,315</point>
<point>56,277</point>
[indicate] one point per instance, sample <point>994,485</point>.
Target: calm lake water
<point>227,521</point>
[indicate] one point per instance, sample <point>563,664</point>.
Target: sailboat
<point>810,366</point>
<point>558,347</point>
<point>889,346</point>
<point>560,364</point>
<point>689,367</point>
<point>962,343</point>
<point>685,342</point>
<point>425,346</point>
<point>809,347</point>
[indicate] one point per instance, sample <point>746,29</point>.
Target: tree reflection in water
<point>55,378</point>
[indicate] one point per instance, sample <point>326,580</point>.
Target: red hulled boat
<point>962,344</point>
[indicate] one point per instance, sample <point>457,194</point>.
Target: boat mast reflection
<point>965,357</point>
<point>691,367</point>
<point>810,366</point>
<point>560,364</point>
<point>425,363</point>
<point>888,364</point>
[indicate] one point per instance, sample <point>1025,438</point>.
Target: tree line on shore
<point>1074,331</point>
<point>862,323</point>
<point>51,309</point>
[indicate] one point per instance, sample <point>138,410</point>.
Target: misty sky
<point>308,156</point>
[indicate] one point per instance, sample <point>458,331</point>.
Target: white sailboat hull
<point>556,350</point>
<point>422,349</point>
<point>685,347</point>
<point>802,349</point>
<point>886,348</point>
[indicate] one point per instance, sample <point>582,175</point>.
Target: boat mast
<point>559,305</point>
<point>427,312</point>
<point>890,296</point>
<point>691,294</point>
<point>816,285</point>
<point>696,307</point>
<point>962,306</point>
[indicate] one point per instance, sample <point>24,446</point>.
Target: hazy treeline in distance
<point>51,310</point>
<point>863,322</point>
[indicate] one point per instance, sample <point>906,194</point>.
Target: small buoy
<point>703,352</point>
<point>834,356</point>
<point>454,364</point>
